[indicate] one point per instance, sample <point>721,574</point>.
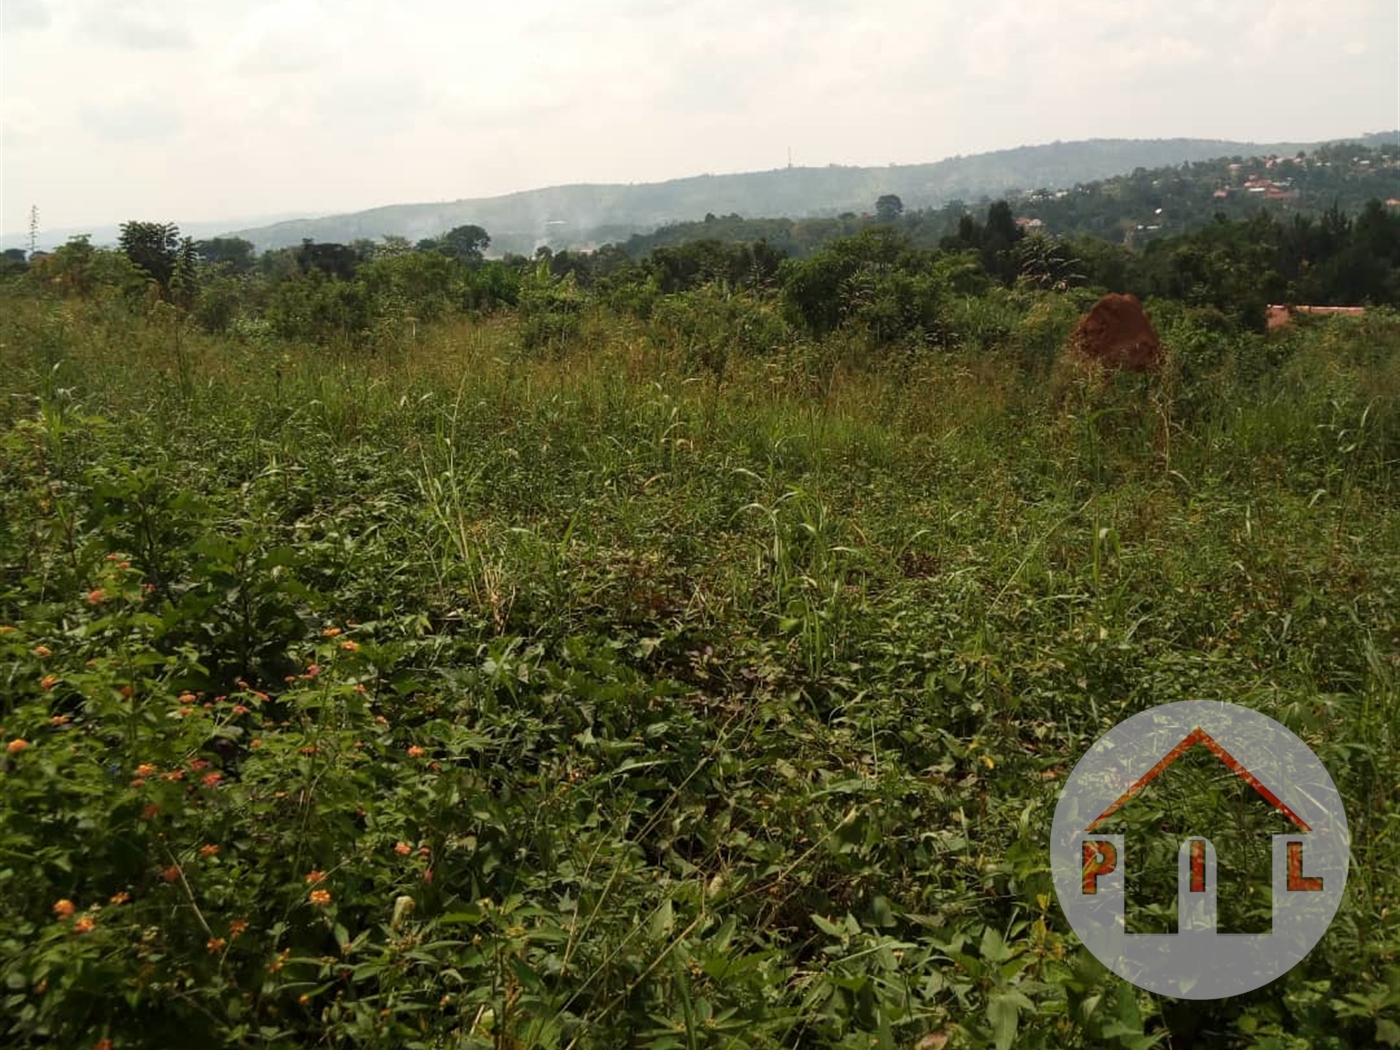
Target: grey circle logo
<point>1244,785</point>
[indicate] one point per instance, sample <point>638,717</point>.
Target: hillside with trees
<point>589,215</point>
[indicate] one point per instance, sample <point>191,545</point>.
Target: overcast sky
<point>194,110</point>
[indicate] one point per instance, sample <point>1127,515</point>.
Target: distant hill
<point>586,215</point>
<point>108,233</point>
<point>1147,204</point>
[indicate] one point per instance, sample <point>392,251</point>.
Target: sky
<point>203,110</point>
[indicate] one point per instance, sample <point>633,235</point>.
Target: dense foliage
<point>408,650</point>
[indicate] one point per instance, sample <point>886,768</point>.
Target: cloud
<point>19,15</point>
<point>137,26</point>
<point>133,120</point>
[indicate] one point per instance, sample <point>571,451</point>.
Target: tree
<point>334,260</point>
<point>234,252</point>
<point>153,246</point>
<point>888,208</point>
<point>464,243</point>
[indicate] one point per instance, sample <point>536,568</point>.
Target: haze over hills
<point>588,214</point>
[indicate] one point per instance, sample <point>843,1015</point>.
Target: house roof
<point>1200,736</point>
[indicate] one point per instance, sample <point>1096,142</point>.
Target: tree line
<point>870,274</point>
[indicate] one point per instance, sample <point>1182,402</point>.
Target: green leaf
<point>1004,1015</point>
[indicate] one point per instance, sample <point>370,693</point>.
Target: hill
<point>587,215</point>
<point>1148,204</point>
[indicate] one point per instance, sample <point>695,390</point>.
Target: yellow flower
<point>121,897</point>
<point>48,681</point>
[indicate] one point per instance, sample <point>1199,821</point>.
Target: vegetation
<point>408,650</point>
<point>589,215</point>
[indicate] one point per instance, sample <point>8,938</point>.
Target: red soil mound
<point>1117,333</point>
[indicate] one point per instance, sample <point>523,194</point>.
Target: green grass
<point>742,706</point>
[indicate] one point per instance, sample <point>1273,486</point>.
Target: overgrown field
<point>451,693</point>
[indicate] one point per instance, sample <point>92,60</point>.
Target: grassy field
<point>454,695</point>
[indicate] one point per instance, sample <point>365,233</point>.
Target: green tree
<point>238,255</point>
<point>153,246</point>
<point>464,243</point>
<point>888,208</point>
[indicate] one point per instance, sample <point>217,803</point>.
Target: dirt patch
<point>1118,334</point>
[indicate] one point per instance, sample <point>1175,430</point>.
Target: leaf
<point>993,948</point>
<point>663,920</point>
<point>1002,1012</point>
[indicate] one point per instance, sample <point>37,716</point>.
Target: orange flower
<point>59,720</point>
<point>239,710</point>
<point>150,811</point>
<point>237,928</point>
<point>126,691</point>
<point>146,769</point>
<point>7,629</point>
<point>85,924</point>
<point>63,908</point>
<point>215,945</point>
<point>212,779</point>
<point>42,650</point>
<point>102,1044</point>
<point>428,875</point>
<point>96,596</point>
<point>120,897</point>
<point>256,742</point>
<point>114,557</point>
<point>329,632</point>
<point>17,745</point>
<point>196,764</point>
<point>415,751</point>
<point>380,720</point>
<point>171,873</point>
<point>320,898</point>
<point>48,681</point>
<point>403,849</point>
<point>350,647</point>
<point>138,782</point>
<point>209,849</point>
<point>314,876</point>
<point>188,698</point>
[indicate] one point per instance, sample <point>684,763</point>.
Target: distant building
<point>1030,225</point>
<point>1218,194</point>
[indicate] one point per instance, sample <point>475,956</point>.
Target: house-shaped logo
<point>1309,859</point>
